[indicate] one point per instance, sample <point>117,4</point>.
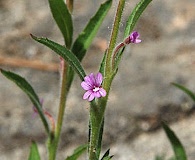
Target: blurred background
<point>141,95</point>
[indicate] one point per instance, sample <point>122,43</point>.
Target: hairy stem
<point>114,36</point>
<point>65,86</point>
<point>97,109</point>
<point>96,122</point>
<point>54,141</point>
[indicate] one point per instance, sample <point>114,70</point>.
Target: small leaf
<point>107,158</point>
<point>158,157</point>
<point>118,58</point>
<point>178,148</point>
<point>186,90</point>
<point>84,40</point>
<point>34,153</point>
<point>102,65</point>
<point>63,19</point>
<point>64,53</point>
<point>134,16</point>
<point>77,152</point>
<point>106,155</point>
<point>27,88</point>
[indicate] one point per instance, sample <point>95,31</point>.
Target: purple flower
<point>92,85</point>
<point>133,38</point>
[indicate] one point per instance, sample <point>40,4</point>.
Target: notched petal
<point>87,94</point>
<point>91,97</point>
<point>99,78</point>
<point>86,86</point>
<point>102,92</point>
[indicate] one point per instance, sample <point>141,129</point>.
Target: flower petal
<point>87,94</point>
<point>91,97</point>
<point>97,94</point>
<point>86,86</point>
<point>99,79</point>
<point>138,41</point>
<point>102,92</point>
<point>92,79</point>
<point>133,38</point>
<point>88,80</point>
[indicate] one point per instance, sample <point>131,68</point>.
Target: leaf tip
<point>32,141</point>
<point>1,70</point>
<point>32,36</point>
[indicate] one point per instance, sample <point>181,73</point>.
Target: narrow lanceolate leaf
<point>186,90</point>
<point>108,158</point>
<point>63,19</point>
<point>64,53</point>
<point>102,65</point>
<point>77,152</point>
<point>106,155</point>
<point>178,148</point>
<point>34,153</point>
<point>84,40</point>
<point>27,88</point>
<point>134,16</point>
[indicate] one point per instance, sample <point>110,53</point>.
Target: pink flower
<point>133,38</point>
<point>92,85</point>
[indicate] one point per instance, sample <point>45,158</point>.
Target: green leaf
<point>84,40</point>
<point>106,155</point>
<point>134,16</point>
<point>178,148</point>
<point>77,152</point>
<point>102,65</point>
<point>27,88</point>
<point>34,153</point>
<point>63,19</point>
<point>158,157</point>
<point>186,90</point>
<point>64,53</point>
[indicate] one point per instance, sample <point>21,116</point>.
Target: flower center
<point>95,89</point>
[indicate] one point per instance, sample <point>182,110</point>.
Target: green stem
<point>54,140</point>
<point>94,132</point>
<point>97,110</point>
<point>62,101</point>
<point>65,86</point>
<point>96,123</point>
<point>114,36</point>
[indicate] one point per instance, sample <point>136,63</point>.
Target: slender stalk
<point>54,141</point>
<point>96,122</point>
<point>65,86</point>
<point>63,97</point>
<point>97,111</point>
<point>114,36</point>
<point>94,134</point>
